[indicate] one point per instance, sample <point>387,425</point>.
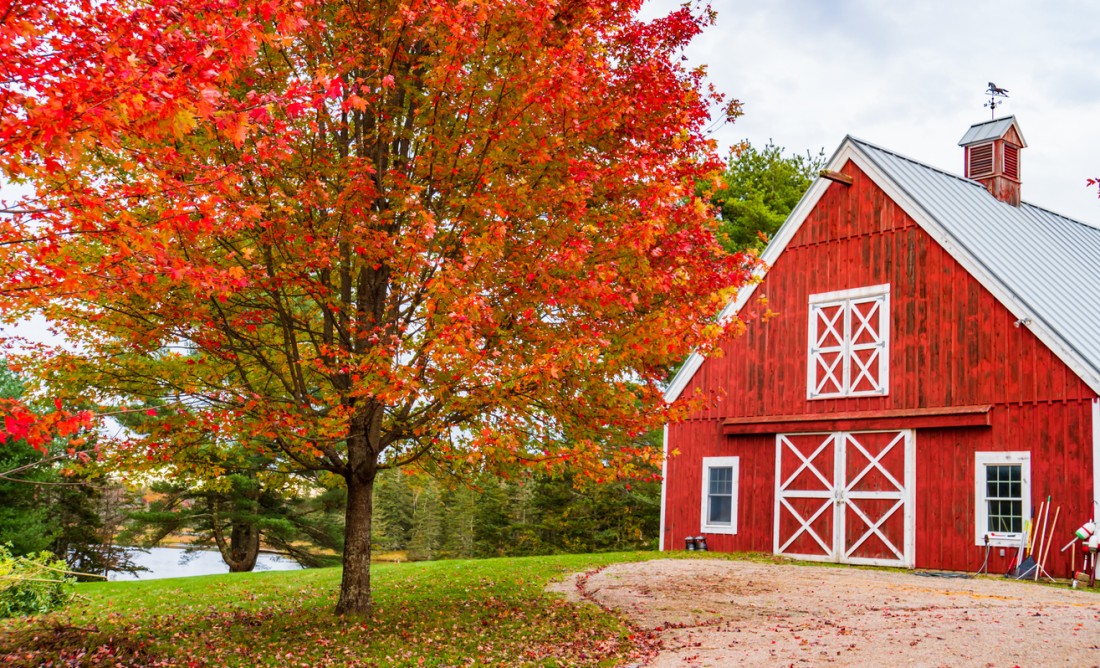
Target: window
<point>719,512</point>
<point>1002,497</point>
<point>849,343</point>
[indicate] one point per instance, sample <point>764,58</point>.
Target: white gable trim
<point>775,248</point>
<point>849,150</point>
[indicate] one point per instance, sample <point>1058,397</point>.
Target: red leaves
<point>21,423</point>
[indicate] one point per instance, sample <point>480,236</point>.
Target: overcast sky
<point>910,77</point>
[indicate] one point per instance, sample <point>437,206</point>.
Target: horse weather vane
<point>995,93</point>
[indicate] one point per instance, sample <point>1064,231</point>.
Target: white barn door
<point>846,497</point>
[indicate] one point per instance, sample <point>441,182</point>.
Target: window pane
<point>721,480</point>
<point>721,510</point>
<point>1006,516</point>
<point>1004,491</point>
<point>1003,481</point>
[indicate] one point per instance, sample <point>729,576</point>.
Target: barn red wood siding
<point>951,344</point>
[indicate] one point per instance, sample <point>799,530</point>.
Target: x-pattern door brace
<point>841,491</point>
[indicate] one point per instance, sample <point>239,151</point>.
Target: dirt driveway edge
<point>710,612</point>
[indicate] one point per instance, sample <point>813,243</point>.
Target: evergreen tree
<point>597,517</point>
<point>243,511</point>
<point>393,510</point>
<point>493,537</point>
<point>460,506</point>
<point>25,520</point>
<point>427,521</point>
<point>761,188</point>
<point>63,511</point>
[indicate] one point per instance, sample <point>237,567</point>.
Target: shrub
<point>32,585</point>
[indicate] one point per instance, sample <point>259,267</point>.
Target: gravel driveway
<point>734,613</point>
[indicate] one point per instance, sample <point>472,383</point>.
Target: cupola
<point>992,155</point>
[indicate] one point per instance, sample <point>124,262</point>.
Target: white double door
<point>846,497</point>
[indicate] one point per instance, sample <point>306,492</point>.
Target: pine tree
<point>393,503</point>
<point>427,521</point>
<point>460,521</point>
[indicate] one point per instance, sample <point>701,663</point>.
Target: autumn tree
<point>364,234</point>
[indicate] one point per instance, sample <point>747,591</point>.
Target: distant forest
<point>491,517</point>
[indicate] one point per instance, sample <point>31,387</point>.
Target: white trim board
<point>664,488</point>
<point>1095,457</point>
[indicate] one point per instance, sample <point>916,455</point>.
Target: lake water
<point>175,562</point>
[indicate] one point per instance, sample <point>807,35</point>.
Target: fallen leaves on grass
<point>440,614</point>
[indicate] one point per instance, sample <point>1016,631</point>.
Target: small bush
<point>32,585</point>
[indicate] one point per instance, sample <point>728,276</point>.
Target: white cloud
<point>910,77</point>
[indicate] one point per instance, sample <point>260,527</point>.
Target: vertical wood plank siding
<point>951,344</point>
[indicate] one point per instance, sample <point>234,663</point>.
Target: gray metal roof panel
<point>990,130</point>
<point>1048,262</point>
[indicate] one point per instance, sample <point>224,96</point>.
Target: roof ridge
<point>972,182</point>
<point>915,161</point>
<point>994,120</point>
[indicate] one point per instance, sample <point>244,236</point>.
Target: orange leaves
<point>472,222</point>
<point>183,122</point>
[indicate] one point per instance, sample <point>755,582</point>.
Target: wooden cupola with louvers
<point>992,157</point>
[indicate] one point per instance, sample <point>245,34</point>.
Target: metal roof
<point>1046,264</point>
<point>991,130</point>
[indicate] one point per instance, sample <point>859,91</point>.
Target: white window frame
<point>982,460</point>
<point>716,463</point>
<point>845,299</point>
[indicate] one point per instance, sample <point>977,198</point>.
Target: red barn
<point>929,376</point>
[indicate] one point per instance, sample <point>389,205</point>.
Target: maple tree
<point>359,235</point>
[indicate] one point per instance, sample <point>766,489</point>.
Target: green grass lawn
<point>442,613</point>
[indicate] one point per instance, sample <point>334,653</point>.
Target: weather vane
<point>995,92</point>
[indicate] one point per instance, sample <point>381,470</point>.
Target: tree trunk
<point>355,598</point>
<point>244,548</point>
